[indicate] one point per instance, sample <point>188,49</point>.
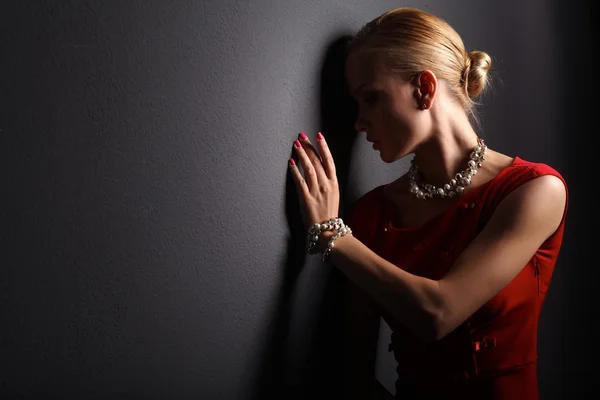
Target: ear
<point>426,87</point>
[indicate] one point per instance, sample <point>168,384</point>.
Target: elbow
<point>437,317</point>
<point>445,321</point>
<point>428,326</point>
<point>432,319</point>
<point>441,327</point>
<point>433,328</point>
<point>443,316</point>
<point>437,322</point>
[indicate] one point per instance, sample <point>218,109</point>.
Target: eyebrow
<point>358,89</point>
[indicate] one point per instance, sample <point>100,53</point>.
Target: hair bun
<point>477,66</point>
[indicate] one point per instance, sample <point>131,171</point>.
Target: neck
<point>447,151</point>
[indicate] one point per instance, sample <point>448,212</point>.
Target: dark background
<point>151,242</point>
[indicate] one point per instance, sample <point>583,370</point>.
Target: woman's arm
<point>432,309</point>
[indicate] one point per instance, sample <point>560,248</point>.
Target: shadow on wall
<point>323,370</point>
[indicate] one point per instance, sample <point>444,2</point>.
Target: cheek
<point>386,114</point>
<point>406,113</point>
<point>390,117</point>
<point>399,121</point>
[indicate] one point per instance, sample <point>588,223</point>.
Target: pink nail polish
<point>297,144</point>
<point>292,162</point>
<point>303,136</point>
<point>320,136</point>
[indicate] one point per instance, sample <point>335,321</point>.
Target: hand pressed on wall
<point>318,189</point>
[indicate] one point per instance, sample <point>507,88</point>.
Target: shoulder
<point>363,212</point>
<point>525,193</point>
<point>522,173</point>
<point>535,196</point>
<point>547,188</point>
<point>373,197</point>
<point>367,200</point>
<point>530,170</point>
<point>541,181</point>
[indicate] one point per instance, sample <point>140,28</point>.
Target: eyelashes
<point>370,99</point>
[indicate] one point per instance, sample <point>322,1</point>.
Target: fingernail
<point>320,136</point>
<point>303,136</point>
<point>297,143</point>
<point>292,162</point>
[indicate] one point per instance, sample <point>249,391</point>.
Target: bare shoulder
<point>537,205</point>
<point>544,192</point>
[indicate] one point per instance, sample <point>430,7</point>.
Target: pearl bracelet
<point>340,232</point>
<point>334,224</point>
<point>315,231</point>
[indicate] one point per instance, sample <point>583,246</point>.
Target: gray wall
<point>151,242</point>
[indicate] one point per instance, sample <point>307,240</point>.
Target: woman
<point>457,254</point>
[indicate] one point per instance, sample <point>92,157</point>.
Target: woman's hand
<point>318,190</point>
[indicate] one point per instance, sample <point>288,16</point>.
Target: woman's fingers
<point>326,158</point>
<point>318,187</point>
<point>299,179</point>
<point>310,173</point>
<point>313,169</point>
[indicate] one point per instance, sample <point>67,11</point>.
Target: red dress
<point>493,354</point>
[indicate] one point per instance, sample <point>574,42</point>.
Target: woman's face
<point>388,107</point>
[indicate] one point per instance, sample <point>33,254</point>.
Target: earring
<point>424,106</point>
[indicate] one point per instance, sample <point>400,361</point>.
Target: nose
<point>360,124</point>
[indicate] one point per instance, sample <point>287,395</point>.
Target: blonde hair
<point>411,41</point>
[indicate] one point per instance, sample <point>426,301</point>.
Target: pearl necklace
<point>456,186</point>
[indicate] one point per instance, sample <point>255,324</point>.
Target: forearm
<point>412,300</point>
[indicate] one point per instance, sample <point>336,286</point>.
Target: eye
<point>370,99</point>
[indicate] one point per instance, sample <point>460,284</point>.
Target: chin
<point>386,158</point>
<point>389,158</point>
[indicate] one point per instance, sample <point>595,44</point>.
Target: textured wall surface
<point>151,244</point>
